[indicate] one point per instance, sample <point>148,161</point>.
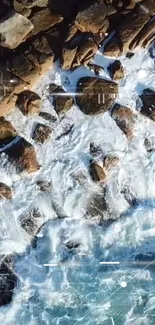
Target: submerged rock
<point>32,221</point>
<point>5,192</point>
<point>41,133</point>
<point>7,132</point>
<point>8,281</point>
<point>95,95</point>
<point>148,100</point>
<point>44,185</point>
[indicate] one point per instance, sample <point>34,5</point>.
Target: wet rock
<point>97,172</point>
<point>32,221</point>
<point>116,70</point>
<point>44,185</point>
<point>145,33</point>
<point>85,52</point>
<point>29,103</point>
<point>62,102</point>
<point>92,18</point>
<point>112,47</point>
<point>97,207</point>
<point>68,57</point>
<point>125,119</point>
<point>5,192</point>
<point>149,144</point>
<point>72,245</point>
<point>148,106</point>
<point>95,150</point>
<point>23,154</point>
<point>48,117</point>
<point>7,132</point>
<point>95,96</point>
<point>65,131</point>
<point>8,281</point>
<point>96,68</point>
<point>13,29</point>
<point>110,162</point>
<point>43,20</point>
<point>41,133</point>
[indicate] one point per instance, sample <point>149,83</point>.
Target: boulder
<point>148,103</point>
<point>41,133</point>
<point>61,103</point>
<point>29,103</point>
<point>149,144</point>
<point>13,29</point>
<point>95,95</point>
<point>43,20</point>
<point>48,117</point>
<point>112,47</point>
<point>8,281</point>
<point>110,162</point>
<point>97,172</point>
<point>23,154</point>
<point>125,119</point>
<point>145,33</point>
<point>7,132</point>
<point>68,57</point>
<point>44,186</point>
<point>149,5</point>
<point>5,192</point>
<point>91,19</point>
<point>21,9</point>
<point>32,221</point>
<point>96,68</point>
<point>85,52</point>
<point>116,70</point>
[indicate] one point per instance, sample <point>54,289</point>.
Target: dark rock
<point>125,119</point>
<point>95,96</point>
<point>41,133</point>
<point>44,185</point>
<point>23,154</point>
<point>130,55</point>
<point>95,150</point>
<point>92,18</point>
<point>96,68</point>
<point>149,5</point>
<point>28,102</point>
<point>72,245</point>
<point>61,103</point>
<point>7,132</point>
<point>8,281</point>
<point>97,207</point>
<point>116,70</point>
<point>32,221</point>
<point>149,144</point>
<point>48,117</point>
<point>5,192</point>
<point>148,100</point>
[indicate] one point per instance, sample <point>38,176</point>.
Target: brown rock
<point>116,70</point>
<point>125,119</point>
<point>112,47</point>
<point>97,172</point>
<point>7,132</point>
<point>29,103</point>
<point>23,154</point>
<point>41,133</point>
<point>96,68</point>
<point>109,163</point>
<point>13,29</point>
<point>68,57</point>
<point>61,103</point>
<point>149,5</point>
<point>143,35</point>
<point>148,100</point>
<point>43,20</point>
<point>33,3</point>
<point>5,192</point>
<point>85,52</point>
<point>95,96</point>
<point>21,9</point>
<point>92,18</point>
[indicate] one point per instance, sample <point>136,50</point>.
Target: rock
<point>125,119</point>
<point>149,144</point>
<point>13,29</point>
<point>68,57</point>
<point>125,34</point>
<point>149,6</point>
<point>43,20</point>
<point>23,154</point>
<point>72,245</point>
<point>32,221</point>
<point>61,103</point>
<point>96,68</point>
<point>33,3</point>
<point>7,132</point>
<point>8,281</point>
<point>41,133</point>
<point>110,162</point>
<point>85,52</point>
<point>44,185</point>
<point>95,150</point>
<point>116,70</point>
<point>92,18</point>
<point>97,172</point>
<point>5,192</point>
<point>143,35</point>
<point>97,207</point>
<point>48,117</point>
<point>148,106</point>
<point>95,96</point>
<point>21,9</point>
<point>28,102</point>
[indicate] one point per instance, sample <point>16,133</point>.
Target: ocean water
<point>77,288</point>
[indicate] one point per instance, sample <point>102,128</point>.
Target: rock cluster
<point>33,34</point>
